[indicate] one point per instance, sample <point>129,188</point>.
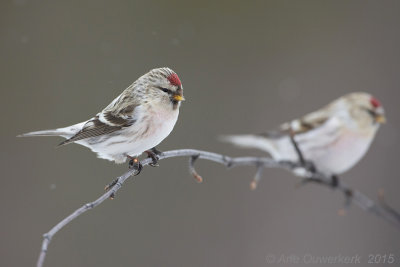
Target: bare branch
<point>192,170</point>
<point>383,210</point>
<point>257,177</point>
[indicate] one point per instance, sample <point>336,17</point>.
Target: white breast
<point>341,155</point>
<point>333,147</point>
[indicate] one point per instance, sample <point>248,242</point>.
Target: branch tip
<point>381,195</point>
<point>253,185</point>
<point>341,212</point>
<point>257,176</point>
<point>198,178</point>
<point>192,170</point>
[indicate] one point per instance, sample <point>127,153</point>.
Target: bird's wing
<point>92,128</point>
<point>305,124</point>
<point>114,117</point>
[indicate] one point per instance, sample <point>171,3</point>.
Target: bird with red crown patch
<point>333,138</point>
<point>136,121</point>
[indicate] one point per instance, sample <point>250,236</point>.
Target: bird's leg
<point>156,151</point>
<point>305,181</point>
<point>348,193</point>
<point>153,154</point>
<point>135,164</point>
<point>310,167</point>
<point>334,181</point>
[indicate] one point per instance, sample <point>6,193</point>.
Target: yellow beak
<point>380,119</point>
<point>178,98</point>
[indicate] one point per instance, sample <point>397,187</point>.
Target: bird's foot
<point>334,181</point>
<point>308,180</point>
<point>135,164</point>
<point>348,193</point>
<point>109,186</point>
<point>153,154</point>
<point>309,167</point>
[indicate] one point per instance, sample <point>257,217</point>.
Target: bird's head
<point>365,109</point>
<point>164,88</point>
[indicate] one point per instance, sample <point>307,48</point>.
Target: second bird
<point>333,138</point>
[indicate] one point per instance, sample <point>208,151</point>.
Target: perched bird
<point>333,138</point>
<point>135,122</point>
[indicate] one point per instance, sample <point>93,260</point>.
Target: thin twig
<point>192,170</point>
<point>383,211</point>
<point>257,177</point>
<point>296,147</point>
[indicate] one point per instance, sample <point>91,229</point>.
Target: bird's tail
<point>53,132</point>
<point>66,132</point>
<point>253,141</point>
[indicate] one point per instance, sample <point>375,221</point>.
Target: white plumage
<point>136,121</point>
<point>334,138</point>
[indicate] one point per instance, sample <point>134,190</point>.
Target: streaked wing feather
<point>115,119</point>
<point>92,128</point>
<point>120,113</point>
<point>306,123</point>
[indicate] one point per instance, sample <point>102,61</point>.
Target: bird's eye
<point>165,90</point>
<point>371,112</point>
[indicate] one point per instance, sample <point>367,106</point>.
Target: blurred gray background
<point>246,67</point>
